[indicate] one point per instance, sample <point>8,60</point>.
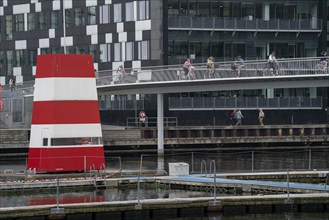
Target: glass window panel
<point>129,11</point>
<point>192,7</point>
<point>19,20</point>
<point>108,52</point>
<point>143,50</point>
<point>225,9</point>
<point>54,19</point>
<point>173,8</point>
<point>203,9</point>
<point>30,21</point>
<point>183,9</point>
<point>214,9</point>
<point>42,20</point>
<point>2,62</point>
<point>103,53</point>
<point>68,16</point>
<point>44,51</point>
<point>92,15</point>
<point>74,141</point>
<point>19,58</point>
<point>117,52</point>
<point>9,27</point>
<point>79,17</point>
<point>32,57</point>
<point>104,12</point>
<point>10,62</point>
<point>117,13</point>
<point>45,142</point>
<point>129,50</point>
<point>93,51</point>
<point>143,10</point>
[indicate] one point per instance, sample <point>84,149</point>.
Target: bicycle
<point>272,69</point>
<point>321,68</point>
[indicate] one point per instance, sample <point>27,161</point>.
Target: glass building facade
<point>140,33</point>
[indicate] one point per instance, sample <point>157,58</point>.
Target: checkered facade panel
<point>115,32</point>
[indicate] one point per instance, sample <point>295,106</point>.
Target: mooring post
<point>252,160</point>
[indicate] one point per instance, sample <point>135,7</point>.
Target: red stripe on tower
<point>66,131</point>
<point>66,112</point>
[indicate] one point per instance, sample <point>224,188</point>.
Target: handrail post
<point>288,200</point>
<point>214,202</point>
<point>309,158</point>
<point>252,160</point>
<point>192,162</point>
<point>203,164</point>
<point>138,206</point>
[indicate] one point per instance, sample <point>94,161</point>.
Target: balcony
<point>244,24</point>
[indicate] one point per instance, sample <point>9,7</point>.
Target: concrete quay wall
<point>119,139</point>
<point>181,207</point>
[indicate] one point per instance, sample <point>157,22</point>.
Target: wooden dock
<point>267,195</point>
<point>180,207</point>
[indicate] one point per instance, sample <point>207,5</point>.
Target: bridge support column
<point>160,131</point>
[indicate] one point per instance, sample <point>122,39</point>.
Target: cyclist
<point>273,63</point>
<point>324,60</point>
<point>237,65</point>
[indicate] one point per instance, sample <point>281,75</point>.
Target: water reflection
<point>114,194</point>
<point>245,161</point>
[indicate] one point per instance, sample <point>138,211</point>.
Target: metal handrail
<point>252,68</point>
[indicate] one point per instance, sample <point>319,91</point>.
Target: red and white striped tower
<point>66,131</point>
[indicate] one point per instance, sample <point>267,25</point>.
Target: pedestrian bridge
<point>297,73</point>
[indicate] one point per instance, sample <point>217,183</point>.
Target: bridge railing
<point>255,68</point>
<point>175,72</point>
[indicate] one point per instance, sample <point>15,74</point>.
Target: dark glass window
<point>79,17</point>
<point>10,62</point>
<point>247,11</point>
<point>20,61</point>
<point>173,7</point>
<point>42,20</point>
<point>76,141</point>
<point>68,17</point>
<point>203,9</point>
<point>225,9</point>
<point>32,57</point>
<point>19,22</point>
<point>9,27</point>
<point>30,21</point>
<point>92,15</point>
<point>214,9</point>
<point>54,19</point>
<point>45,142</point>
<point>258,11</point>
<point>183,9</point>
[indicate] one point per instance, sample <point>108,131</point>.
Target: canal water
<point>244,161</point>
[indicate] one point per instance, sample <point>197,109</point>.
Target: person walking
<point>187,65</point>
<point>232,116</point>
<point>238,117</point>
<point>261,116</point>
<point>121,73</point>
<point>12,83</point>
<point>210,67</point>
